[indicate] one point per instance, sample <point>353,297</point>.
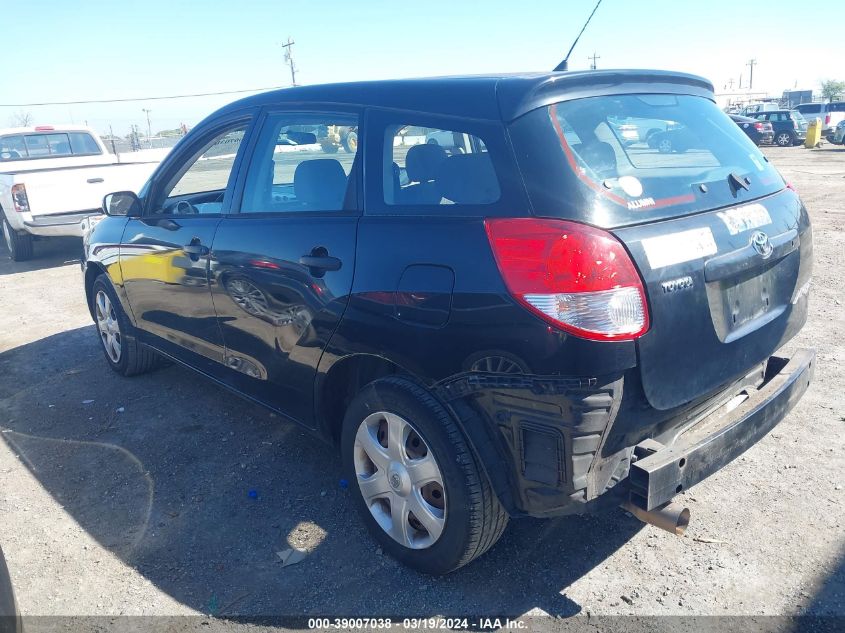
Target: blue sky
<point>60,50</point>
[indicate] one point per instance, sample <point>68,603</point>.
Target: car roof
<point>495,97</point>
<point>743,119</point>
<point>44,129</point>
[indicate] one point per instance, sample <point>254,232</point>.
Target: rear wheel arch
<point>343,381</point>
<point>348,376</point>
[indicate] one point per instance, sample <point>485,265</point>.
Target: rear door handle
<point>95,181</point>
<point>195,248</point>
<point>326,262</point>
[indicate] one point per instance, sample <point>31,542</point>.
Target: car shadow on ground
<point>57,251</point>
<point>198,491</point>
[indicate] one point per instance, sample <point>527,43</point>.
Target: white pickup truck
<point>53,178</point>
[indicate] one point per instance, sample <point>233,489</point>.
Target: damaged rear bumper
<point>662,472</point>
<point>560,445</point>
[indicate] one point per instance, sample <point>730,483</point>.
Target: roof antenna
<point>564,65</point>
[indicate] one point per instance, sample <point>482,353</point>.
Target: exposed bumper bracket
<point>719,438</point>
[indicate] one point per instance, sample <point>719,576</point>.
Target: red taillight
<point>20,199</point>
<point>576,277</point>
<point>827,119</point>
<point>44,128</point>
<point>789,185</point>
<point>758,126</point>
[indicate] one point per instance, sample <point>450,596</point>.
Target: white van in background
<point>830,115</point>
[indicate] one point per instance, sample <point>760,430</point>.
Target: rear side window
<point>426,166</point>
<point>810,108</point>
<point>637,157</point>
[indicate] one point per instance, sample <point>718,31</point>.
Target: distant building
<point>792,98</point>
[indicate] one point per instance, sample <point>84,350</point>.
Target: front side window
<point>432,166</point>
<point>200,186</point>
<point>302,163</point>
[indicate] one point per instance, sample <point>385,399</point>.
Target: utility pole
<point>593,57</point>
<point>751,63</point>
<point>149,127</point>
<point>289,59</point>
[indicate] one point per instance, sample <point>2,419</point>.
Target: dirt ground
<point>165,495</point>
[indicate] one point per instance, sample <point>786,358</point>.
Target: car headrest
<point>320,184</point>
<point>468,179</point>
<point>422,162</point>
<point>599,157</point>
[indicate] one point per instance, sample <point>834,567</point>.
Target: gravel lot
<point>133,496</point>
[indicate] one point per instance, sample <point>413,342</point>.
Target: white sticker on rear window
<point>745,218</point>
<point>677,248</point>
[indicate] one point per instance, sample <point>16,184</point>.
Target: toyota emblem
<point>760,242</point>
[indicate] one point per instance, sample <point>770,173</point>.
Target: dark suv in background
<point>789,126</point>
<point>533,316</point>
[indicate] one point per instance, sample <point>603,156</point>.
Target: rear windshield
<point>52,145</point>
<point>638,157</point>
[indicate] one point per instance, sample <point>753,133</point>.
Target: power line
<point>199,94</point>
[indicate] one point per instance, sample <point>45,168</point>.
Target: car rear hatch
<point>723,246</point>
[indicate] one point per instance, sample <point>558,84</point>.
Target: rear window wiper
<point>738,182</point>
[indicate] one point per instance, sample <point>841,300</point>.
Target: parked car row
<point>789,126</point>
<point>761,132</point>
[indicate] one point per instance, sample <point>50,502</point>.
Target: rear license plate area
<point>749,300</point>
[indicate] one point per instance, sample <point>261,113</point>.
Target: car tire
<point>785,139</point>
<point>129,357</point>
<point>19,244</point>
<point>471,519</point>
<point>432,141</point>
<point>664,146</point>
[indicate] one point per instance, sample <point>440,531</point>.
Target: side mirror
<point>122,204</point>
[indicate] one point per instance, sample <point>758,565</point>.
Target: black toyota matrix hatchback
<point>492,302</point>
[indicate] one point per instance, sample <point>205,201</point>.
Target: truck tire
<point>429,470</point>
<point>19,244</point>
<point>350,142</point>
<point>123,352</point>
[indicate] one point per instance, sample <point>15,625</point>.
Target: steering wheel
<point>183,207</point>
